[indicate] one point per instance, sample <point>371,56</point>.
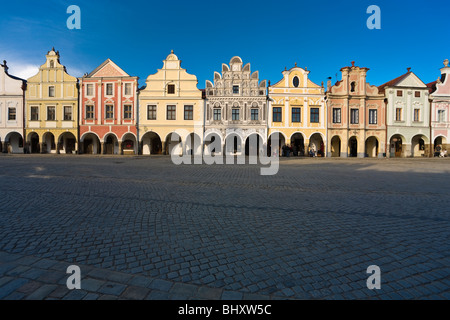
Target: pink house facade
<point>108,111</point>
<point>356,117</point>
<point>440,109</point>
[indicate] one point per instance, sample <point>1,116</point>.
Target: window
<point>128,89</point>
<point>336,115</point>
<point>235,114</point>
<point>109,112</point>
<point>441,116</point>
<point>109,89</point>
<point>89,90</point>
<point>417,94</point>
<point>67,113</point>
<point>171,89</point>
<point>277,114</point>
<point>314,115</point>
<point>51,91</point>
<point>171,112</point>
<point>188,112</point>
<point>373,116</point>
<point>296,82</point>
<point>151,112</point>
<point>254,114</point>
<point>353,86</point>
<point>11,114</point>
<point>89,112</point>
<point>296,115</point>
<point>217,114</point>
<point>127,112</point>
<point>51,114</point>
<point>398,114</point>
<point>34,114</point>
<point>399,93</point>
<point>354,116</point>
<point>416,115</point>
<point>235,89</point>
<point>52,64</point>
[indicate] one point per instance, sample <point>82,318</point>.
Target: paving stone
<point>12,286</point>
<point>115,289</point>
<point>41,293</point>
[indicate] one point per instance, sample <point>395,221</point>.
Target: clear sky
<point>323,36</point>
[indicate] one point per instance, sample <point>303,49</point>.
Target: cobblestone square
<point>143,228</point>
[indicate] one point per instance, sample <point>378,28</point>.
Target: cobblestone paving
<point>143,228</point>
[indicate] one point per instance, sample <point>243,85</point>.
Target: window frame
<point>173,112</point>
<point>64,113</point>
<point>235,112</point>
<point>54,113</point>
<point>337,115</point>
<point>296,111</point>
<point>89,112</point>
<point>51,92</point>
<point>217,111</point>
<point>254,111</point>
<point>109,112</point>
<point>152,112</point>
<point>371,117</point>
<point>354,116</point>
<point>37,113</point>
<point>312,113</point>
<point>277,113</point>
<point>189,113</point>
<point>109,85</point>
<point>9,113</point>
<point>125,112</point>
<point>169,86</point>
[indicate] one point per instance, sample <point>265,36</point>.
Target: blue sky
<point>323,36</point>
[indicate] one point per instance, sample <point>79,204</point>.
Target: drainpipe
<point>137,117</point>
<point>24,88</point>
<point>386,142</point>
<point>431,153</point>
<point>78,117</point>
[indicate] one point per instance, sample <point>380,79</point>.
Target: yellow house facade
<point>171,111</point>
<point>297,112</point>
<point>51,111</point>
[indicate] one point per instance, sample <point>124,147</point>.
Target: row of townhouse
<point>105,112</point>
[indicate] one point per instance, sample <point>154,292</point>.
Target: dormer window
<point>353,86</point>
<point>296,82</point>
<point>171,89</point>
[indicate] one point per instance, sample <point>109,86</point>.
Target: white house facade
<point>11,112</point>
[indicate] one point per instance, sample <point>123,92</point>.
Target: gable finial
<point>353,63</point>
<point>171,51</point>
<point>409,69</point>
<point>296,64</point>
<point>446,63</point>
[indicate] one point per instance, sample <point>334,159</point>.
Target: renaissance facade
<point>440,110</point>
<point>297,112</point>
<point>236,110</point>
<point>171,111</point>
<point>108,111</point>
<point>51,124</point>
<point>408,116</point>
<point>12,92</point>
<point>356,116</point>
